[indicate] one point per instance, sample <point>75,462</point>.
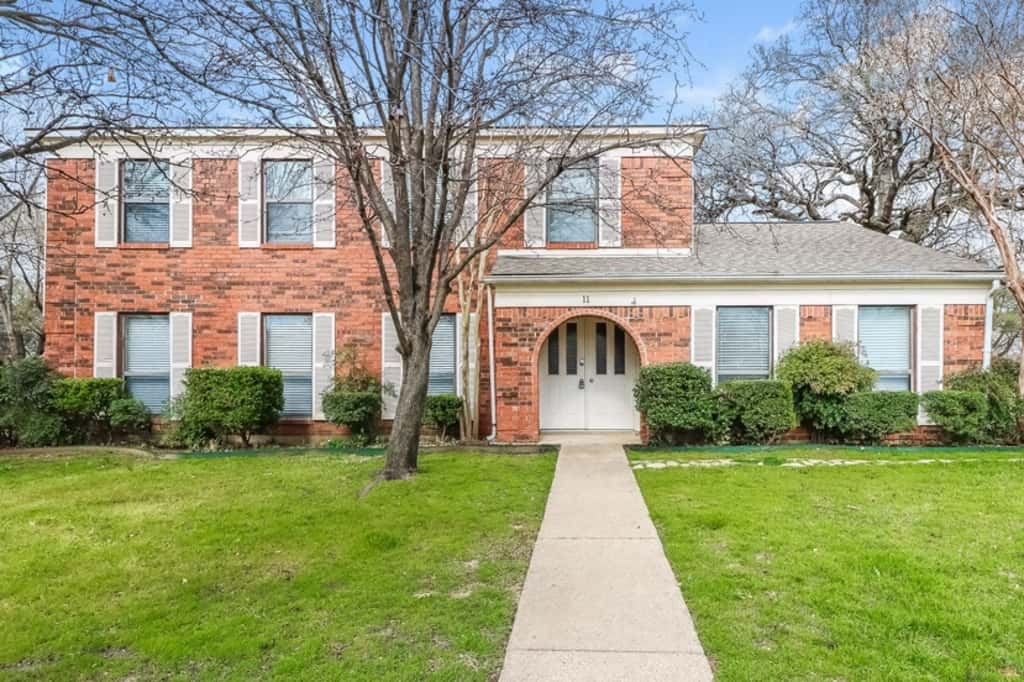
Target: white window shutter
<point>390,365</point>
<point>387,188</point>
<point>787,328</point>
<point>324,228</point>
<point>104,346</point>
<point>181,203</point>
<point>108,202</point>
<point>323,359</point>
<point>465,234</point>
<point>929,336</point>
<point>249,203</point>
<point>610,201</point>
<point>844,323</point>
<point>534,218</point>
<point>181,350</point>
<point>702,338</point>
<point>249,334</point>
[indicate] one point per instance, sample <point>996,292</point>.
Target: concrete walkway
<point>600,600</point>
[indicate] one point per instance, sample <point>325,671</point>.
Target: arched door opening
<point>587,368</point>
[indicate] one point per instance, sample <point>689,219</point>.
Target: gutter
<point>753,277</point>
<point>490,366</point>
<point>986,361</point>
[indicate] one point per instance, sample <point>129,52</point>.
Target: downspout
<point>490,365</point>
<point>986,360</point>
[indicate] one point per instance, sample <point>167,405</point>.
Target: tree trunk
<point>404,442</point>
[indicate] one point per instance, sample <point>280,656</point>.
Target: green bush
<point>27,417</point>
<point>755,411</point>
<point>677,402</point>
<point>443,413</point>
<point>870,416</point>
<point>85,405</point>
<point>961,414</point>
<point>822,374</point>
<point>128,415</point>
<point>223,402</point>
<point>999,386</point>
<point>358,410</point>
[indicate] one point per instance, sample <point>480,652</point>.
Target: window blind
<point>743,348</point>
<point>883,334</point>
<point>288,340</point>
<point>147,360</point>
<point>288,188</point>
<point>442,357</point>
<point>147,196</point>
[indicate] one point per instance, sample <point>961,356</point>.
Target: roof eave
<point>979,276</point>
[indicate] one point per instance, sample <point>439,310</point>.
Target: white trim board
<point>599,252</point>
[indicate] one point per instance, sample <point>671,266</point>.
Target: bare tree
<point>439,81</point>
<point>962,67</point>
<point>808,133</point>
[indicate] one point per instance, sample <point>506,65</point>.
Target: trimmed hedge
<point>1004,407</point>
<point>962,414</point>
<point>676,399</point>
<point>755,411</point>
<point>232,401</point>
<point>358,410</point>
<point>443,413</point>
<point>86,403</point>
<point>869,416</point>
<point>822,374</point>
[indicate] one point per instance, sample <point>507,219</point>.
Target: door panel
<point>609,399</point>
<point>562,400</point>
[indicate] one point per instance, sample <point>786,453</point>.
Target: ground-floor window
<point>442,357</point>
<point>146,359</point>
<point>288,344</point>
<point>884,339</point>
<point>744,343</point>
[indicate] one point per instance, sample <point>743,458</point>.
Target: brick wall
<point>815,323</point>
<point>657,202</point>
<point>963,337</point>
<point>662,334</point>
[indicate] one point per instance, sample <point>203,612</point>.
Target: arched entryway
<point>587,367</point>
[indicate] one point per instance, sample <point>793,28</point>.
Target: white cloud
<point>769,34</point>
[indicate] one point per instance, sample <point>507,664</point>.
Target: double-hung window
<point>572,205</point>
<point>146,359</point>
<point>442,357</point>
<point>288,344</point>
<point>146,201</point>
<point>744,343</point>
<point>884,341</point>
<point>288,199</point>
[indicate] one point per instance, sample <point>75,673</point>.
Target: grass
<point>262,567</point>
<point>849,573</point>
<point>780,453</point>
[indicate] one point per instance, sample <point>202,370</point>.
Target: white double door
<point>588,367</point>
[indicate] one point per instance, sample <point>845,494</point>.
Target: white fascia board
<point>608,251</point>
<point>683,278</point>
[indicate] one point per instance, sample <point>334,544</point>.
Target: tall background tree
<point>530,79</point>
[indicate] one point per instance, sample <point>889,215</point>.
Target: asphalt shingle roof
<point>828,249</point>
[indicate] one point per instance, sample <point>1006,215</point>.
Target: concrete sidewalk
<point>600,600</point>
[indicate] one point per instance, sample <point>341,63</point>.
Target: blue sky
<point>724,39</point>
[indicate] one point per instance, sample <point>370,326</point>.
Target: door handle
<point>582,385</point>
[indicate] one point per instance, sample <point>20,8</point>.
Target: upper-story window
<point>147,201</point>
<point>884,340</point>
<point>288,201</point>
<point>572,205</point>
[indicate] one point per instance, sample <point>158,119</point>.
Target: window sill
<point>572,245</point>
<point>270,246</point>
<point>144,246</point>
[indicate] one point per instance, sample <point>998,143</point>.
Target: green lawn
<point>876,572</point>
<point>779,453</point>
<point>262,567</point>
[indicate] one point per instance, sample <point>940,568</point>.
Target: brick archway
<point>661,334</point>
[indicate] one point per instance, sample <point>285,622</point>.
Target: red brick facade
<point>657,203</point>
<point>815,323</point>
<point>963,337</point>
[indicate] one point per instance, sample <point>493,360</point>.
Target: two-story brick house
<point>233,248</point>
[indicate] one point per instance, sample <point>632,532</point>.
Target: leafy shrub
<point>128,415</point>
<point>869,416</point>
<point>755,411</point>
<point>85,405</point>
<point>354,399</point>
<point>26,414</point>
<point>1004,406</point>
<point>822,374</point>
<point>677,402</point>
<point>443,413</point>
<point>223,402</point>
<point>961,414</point>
